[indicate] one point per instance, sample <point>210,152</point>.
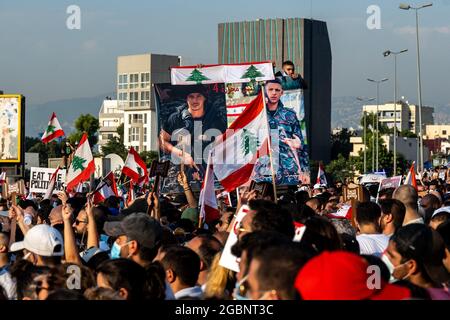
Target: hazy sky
<point>44,60</point>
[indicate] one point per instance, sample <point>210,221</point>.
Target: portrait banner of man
<point>11,128</point>
<point>190,117</point>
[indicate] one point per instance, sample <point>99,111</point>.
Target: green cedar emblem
<point>77,163</point>
<point>252,72</point>
<point>51,129</point>
<point>249,142</point>
<point>197,76</point>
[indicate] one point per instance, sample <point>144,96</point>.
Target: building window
<point>123,81</point>
<point>444,132</point>
<point>145,135</point>
<point>145,98</point>
<point>134,99</point>
<point>145,80</point>
<point>107,136</point>
<point>109,123</point>
<point>133,134</point>
<point>134,80</point>
<point>135,118</point>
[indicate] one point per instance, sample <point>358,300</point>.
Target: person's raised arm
<point>93,237</point>
<point>183,181</point>
<point>19,215</point>
<point>70,245</point>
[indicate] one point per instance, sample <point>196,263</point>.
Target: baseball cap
<point>441,211</point>
<point>341,275</point>
<point>137,226</point>
<point>42,240</point>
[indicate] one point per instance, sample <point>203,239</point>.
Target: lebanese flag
<point>51,184</point>
<point>209,210</point>
<point>345,212</point>
<point>3,177</point>
<point>321,178</point>
<point>135,168</point>
<point>236,151</point>
<point>130,195</point>
<point>106,189</point>
<point>300,229</point>
<point>53,130</point>
<point>411,177</point>
<point>82,165</point>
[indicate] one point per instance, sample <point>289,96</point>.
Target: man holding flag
<point>82,165</point>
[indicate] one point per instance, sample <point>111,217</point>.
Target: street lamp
<point>377,117</point>
<point>404,6</point>
<point>365,129</point>
<point>387,54</point>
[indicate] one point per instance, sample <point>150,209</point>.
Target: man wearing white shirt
<point>392,216</point>
<point>371,240</point>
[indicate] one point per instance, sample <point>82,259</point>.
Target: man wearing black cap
<point>182,122</point>
<point>138,237</point>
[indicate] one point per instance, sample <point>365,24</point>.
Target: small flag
<point>411,177</point>
<point>51,184</point>
<point>135,168</point>
<point>82,165</point>
<point>321,178</point>
<point>53,130</point>
<point>209,210</point>
<point>3,177</point>
<point>106,189</point>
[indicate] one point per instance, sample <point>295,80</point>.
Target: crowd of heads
<point>309,244</point>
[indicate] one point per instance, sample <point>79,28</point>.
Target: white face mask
<point>391,268</point>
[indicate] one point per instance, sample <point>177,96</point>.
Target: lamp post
<point>377,116</point>
<point>395,54</point>
<point>365,129</point>
<point>419,83</point>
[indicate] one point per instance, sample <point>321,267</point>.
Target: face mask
<point>391,268</point>
<point>115,250</point>
<point>237,292</point>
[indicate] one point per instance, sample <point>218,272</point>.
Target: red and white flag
<point>3,177</point>
<point>321,178</point>
<point>236,151</point>
<point>411,177</point>
<point>106,189</point>
<point>135,168</point>
<point>51,184</point>
<point>130,195</point>
<point>82,165</point>
<point>53,130</point>
<point>209,210</point>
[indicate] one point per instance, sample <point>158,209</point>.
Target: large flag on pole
<point>51,184</point>
<point>135,168</point>
<point>53,130</point>
<point>237,150</point>
<point>411,177</point>
<point>82,165</point>
<point>106,189</point>
<point>209,210</point>
<point>321,178</point>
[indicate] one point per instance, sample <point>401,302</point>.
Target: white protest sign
<point>40,178</point>
<point>228,260</point>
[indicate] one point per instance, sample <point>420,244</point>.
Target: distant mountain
<point>67,111</point>
<point>346,112</point>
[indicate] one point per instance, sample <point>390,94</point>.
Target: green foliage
<point>30,142</point>
<point>340,144</point>
<point>149,156</point>
<point>46,151</point>
<point>342,168</point>
<point>115,145</point>
<point>85,123</point>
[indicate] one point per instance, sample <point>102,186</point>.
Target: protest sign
<point>40,178</point>
<point>393,182</point>
<point>228,260</point>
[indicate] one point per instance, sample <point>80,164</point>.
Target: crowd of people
<point>295,248</point>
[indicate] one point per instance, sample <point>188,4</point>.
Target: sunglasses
<point>77,222</point>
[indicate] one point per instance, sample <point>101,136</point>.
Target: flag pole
<point>202,205</point>
<point>263,88</point>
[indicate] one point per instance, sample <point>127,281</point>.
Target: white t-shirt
<point>372,244</point>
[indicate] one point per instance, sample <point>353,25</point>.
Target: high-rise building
<point>135,76</point>
<point>406,115</point>
<point>303,41</point>
<point>110,117</point>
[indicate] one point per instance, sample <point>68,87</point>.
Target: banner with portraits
<point>11,129</point>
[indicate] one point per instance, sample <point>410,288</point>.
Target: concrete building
<point>406,115</point>
<point>437,131</point>
<point>135,76</point>
<point>110,117</point>
<point>303,41</point>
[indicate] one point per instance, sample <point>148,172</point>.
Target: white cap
<point>42,240</point>
<point>441,210</point>
<point>317,186</point>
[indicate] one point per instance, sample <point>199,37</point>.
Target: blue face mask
<point>237,290</point>
<point>116,249</point>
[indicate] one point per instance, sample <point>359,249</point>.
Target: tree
<point>340,144</point>
<point>46,151</point>
<point>30,142</point>
<point>197,76</point>
<point>85,123</point>
<point>252,72</point>
<point>342,168</point>
<point>149,156</point>
<point>115,144</point>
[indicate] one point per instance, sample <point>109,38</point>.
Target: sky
<point>44,60</point>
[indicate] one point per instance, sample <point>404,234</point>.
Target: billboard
<point>12,130</point>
